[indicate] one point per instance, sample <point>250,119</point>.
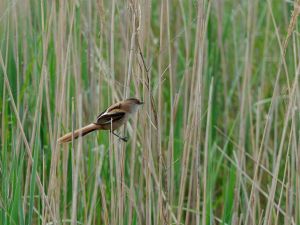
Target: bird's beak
<point>141,103</point>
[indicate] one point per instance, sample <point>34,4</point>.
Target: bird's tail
<point>79,132</point>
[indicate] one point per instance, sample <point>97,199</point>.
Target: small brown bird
<point>110,119</point>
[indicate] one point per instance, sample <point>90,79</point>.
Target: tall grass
<point>216,142</point>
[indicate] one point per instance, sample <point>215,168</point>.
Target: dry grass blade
<point>215,142</point>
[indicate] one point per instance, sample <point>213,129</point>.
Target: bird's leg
<point>125,139</point>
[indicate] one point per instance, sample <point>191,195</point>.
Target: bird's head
<point>133,104</point>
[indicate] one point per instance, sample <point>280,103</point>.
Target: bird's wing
<point>109,109</point>
<point>115,106</point>
<point>110,117</point>
<point>101,114</point>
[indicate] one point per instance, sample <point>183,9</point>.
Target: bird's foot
<point>125,139</point>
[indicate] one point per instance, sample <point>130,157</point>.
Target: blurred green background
<point>216,142</point>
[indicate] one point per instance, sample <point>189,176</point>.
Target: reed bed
<point>216,142</point>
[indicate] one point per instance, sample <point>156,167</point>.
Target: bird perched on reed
<point>110,119</point>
